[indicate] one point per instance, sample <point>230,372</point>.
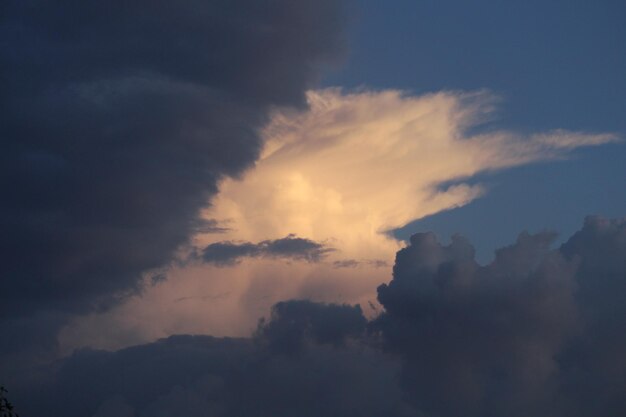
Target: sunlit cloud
<point>356,165</point>
<point>341,174</point>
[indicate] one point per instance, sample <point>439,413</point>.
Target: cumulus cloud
<point>539,331</point>
<point>290,247</point>
<point>524,335</point>
<point>343,172</point>
<point>473,330</point>
<point>594,363</point>
<point>118,121</point>
<point>355,165</point>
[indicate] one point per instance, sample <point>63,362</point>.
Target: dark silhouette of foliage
<point>6,408</point>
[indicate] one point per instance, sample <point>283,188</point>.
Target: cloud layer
<point>536,332</point>
<point>118,121</point>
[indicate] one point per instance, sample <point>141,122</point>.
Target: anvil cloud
<point>339,174</point>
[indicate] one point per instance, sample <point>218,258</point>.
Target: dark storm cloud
<point>195,376</point>
<point>539,332</point>
<point>536,332</point>
<point>290,247</point>
<point>487,334</point>
<point>118,119</point>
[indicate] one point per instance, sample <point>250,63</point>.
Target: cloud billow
<point>533,333</point>
<point>118,121</point>
<point>536,332</point>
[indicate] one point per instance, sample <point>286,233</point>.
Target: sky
<point>553,65</point>
<point>325,208</point>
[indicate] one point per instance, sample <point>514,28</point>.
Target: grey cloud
<point>346,263</point>
<point>539,331</point>
<point>296,323</point>
<point>474,330</point>
<point>353,263</point>
<point>594,363</point>
<point>204,376</point>
<point>533,333</point>
<point>119,118</point>
<point>289,247</point>
<point>211,226</point>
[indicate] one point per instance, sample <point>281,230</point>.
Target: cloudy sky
<point>325,208</point>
